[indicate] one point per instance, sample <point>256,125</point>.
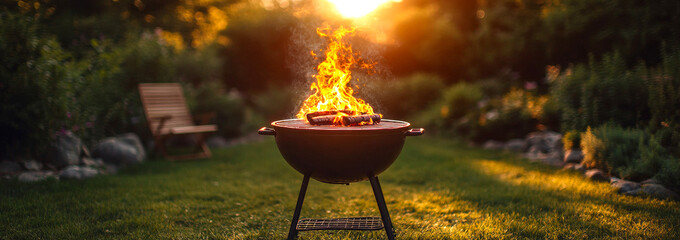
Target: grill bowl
<point>340,154</point>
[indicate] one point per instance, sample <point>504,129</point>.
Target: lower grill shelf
<point>353,223</point>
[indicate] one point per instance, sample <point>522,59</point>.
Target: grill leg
<point>384,214</point>
<point>292,233</point>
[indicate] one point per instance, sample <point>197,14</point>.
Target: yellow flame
<point>357,8</point>
<point>331,90</point>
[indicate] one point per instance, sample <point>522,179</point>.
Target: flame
<point>357,8</point>
<point>331,90</point>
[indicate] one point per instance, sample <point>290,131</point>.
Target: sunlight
<point>357,8</point>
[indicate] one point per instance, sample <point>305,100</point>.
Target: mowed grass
<point>437,189</point>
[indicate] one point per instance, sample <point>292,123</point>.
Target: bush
<point>228,107</point>
<point>669,173</point>
<point>275,103</point>
<point>512,116</point>
<point>460,100</point>
<point>455,111</point>
<point>664,101</point>
<point>603,91</point>
<point>616,150</point>
<point>571,140</point>
<point>36,78</point>
<point>410,94</point>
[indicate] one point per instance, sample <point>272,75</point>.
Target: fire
<point>357,8</point>
<point>331,90</point>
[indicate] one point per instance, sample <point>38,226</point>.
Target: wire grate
<point>353,223</point>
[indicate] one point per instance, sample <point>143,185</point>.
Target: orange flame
<point>331,91</point>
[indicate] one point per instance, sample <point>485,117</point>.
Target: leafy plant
<point>410,94</point>
<point>36,86</point>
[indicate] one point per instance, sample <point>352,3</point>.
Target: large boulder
<point>133,139</point>
<point>65,150</point>
<point>545,141</point>
<point>659,191</point>
<point>493,145</point>
<point>596,175</point>
<point>32,164</point>
<point>622,186</point>
<point>77,172</point>
<point>574,167</point>
<point>573,156</point>
<point>35,176</point>
<point>515,145</point>
<point>122,150</point>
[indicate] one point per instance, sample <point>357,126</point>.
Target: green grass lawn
<point>437,189</point>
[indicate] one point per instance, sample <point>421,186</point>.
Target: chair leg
<point>204,147</point>
<point>160,146</point>
<point>293,232</point>
<point>382,206</point>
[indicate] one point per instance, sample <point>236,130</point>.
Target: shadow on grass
<point>437,189</point>
<point>518,198</point>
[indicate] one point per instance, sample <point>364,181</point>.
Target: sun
<point>357,8</point>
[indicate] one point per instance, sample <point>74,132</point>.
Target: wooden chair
<point>167,115</point>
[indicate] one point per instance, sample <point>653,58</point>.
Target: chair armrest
<point>204,118</point>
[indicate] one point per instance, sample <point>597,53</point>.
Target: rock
<point>553,159</point>
<point>493,145</point>
<point>216,142</point>
<point>573,156</point>
<point>650,181</point>
<point>636,192</point>
<point>76,172</point>
<point>537,143</point>
<point>558,145</point>
<point>92,162</point>
<point>133,139</point>
<point>623,186</point>
<point>119,151</point>
<point>660,192</point>
<point>596,175</point>
<point>545,141</point>
<point>32,164</point>
<point>35,176</point>
<point>515,145</point>
<point>110,169</point>
<point>9,167</point>
<point>66,150</point>
<point>574,167</point>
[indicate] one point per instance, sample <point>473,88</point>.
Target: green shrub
<point>664,100</point>
<point>616,150</point>
<point>456,109</point>
<point>275,103</point>
<point>512,116</point>
<point>460,100</point>
<point>669,173</point>
<point>410,94</point>
<point>36,78</point>
<point>603,91</point>
<point>228,107</point>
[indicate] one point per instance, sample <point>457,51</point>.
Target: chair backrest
<point>164,99</point>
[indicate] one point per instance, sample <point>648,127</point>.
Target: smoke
<point>304,39</point>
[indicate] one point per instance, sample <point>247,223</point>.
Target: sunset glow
<point>357,8</point>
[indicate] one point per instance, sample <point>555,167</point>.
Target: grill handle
<point>266,131</point>
<point>415,132</point>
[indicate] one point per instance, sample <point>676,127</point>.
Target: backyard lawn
<point>437,189</point>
